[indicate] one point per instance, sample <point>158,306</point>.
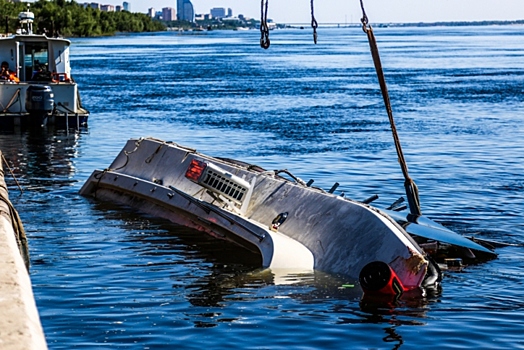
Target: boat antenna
<point>314,23</point>
<point>409,184</point>
<point>264,28</point>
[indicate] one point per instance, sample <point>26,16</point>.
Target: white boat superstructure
<point>289,223</point>
<point>38,87</point>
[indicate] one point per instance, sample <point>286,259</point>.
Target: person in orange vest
<point>6,74</point>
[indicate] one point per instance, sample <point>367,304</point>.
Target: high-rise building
<point>168,14</point>
<point>185,11</point>
<point>127,6</point>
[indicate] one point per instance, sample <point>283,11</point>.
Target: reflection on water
<point>41,158</point>
<point>105,276</point>
<point>213,274</point>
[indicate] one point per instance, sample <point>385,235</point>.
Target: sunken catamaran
<point>37,88</point>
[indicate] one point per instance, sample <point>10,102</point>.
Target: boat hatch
<point>219,181</point>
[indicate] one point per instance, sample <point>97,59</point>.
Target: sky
<point>348,11</point>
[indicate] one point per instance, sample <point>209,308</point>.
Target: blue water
<point>110,277</point>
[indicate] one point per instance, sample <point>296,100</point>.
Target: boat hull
<point>321,231</point>
<point>67,111</point>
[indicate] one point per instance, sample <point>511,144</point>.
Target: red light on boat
<point>195,170</point>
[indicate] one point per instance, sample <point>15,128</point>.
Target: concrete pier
<point>20,326</point>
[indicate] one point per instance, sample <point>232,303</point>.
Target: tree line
<point>70,19</point>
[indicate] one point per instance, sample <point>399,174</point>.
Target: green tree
<point>68,18</point>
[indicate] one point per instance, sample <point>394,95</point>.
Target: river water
<point>106,276</point>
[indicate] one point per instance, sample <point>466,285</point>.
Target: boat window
<point>36,58</point>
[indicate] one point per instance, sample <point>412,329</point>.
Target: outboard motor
<point>378,278</point>
<point>39,102</point>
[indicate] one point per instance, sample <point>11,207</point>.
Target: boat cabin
<point>37,83</point>
<point>35,56</point>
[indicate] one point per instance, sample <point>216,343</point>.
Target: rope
<point>285,171</point>
<point>364,19</point>
<point>150,158</point>
<point>314,23</point>
<point>16,222</point>
<point>264,29</point>
<point>12,174</point>
<point>12,100</point>
<point>409,184</point>
<point>103,172</point>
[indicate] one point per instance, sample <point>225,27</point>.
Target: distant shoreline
<point>415,24</point>
<point>456,23</point>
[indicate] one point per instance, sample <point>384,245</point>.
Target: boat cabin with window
<point>36,86</point>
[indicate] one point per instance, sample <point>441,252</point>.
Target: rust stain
<point>415,262</point>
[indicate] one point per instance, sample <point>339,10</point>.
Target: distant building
<point>218,12</point>
<point>127,6</point>
<point>168,14</point>
<point>151,12</point>
<point>229,12</point>
<point>185,11</point>
<point>107,8</point>
<point>203,17</point>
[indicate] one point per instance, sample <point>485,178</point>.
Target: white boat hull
<point>322,231</point>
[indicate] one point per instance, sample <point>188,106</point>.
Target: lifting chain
<point>314,23</point>
<point>264,29</point>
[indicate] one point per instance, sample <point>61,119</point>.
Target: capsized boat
<point>38,87</point>
<point>289,223</point>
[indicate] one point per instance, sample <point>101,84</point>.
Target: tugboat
<point>36,86</point>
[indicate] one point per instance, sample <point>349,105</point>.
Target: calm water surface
<point>109,277</point>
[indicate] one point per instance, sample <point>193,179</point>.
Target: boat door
<point>35,58</point>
